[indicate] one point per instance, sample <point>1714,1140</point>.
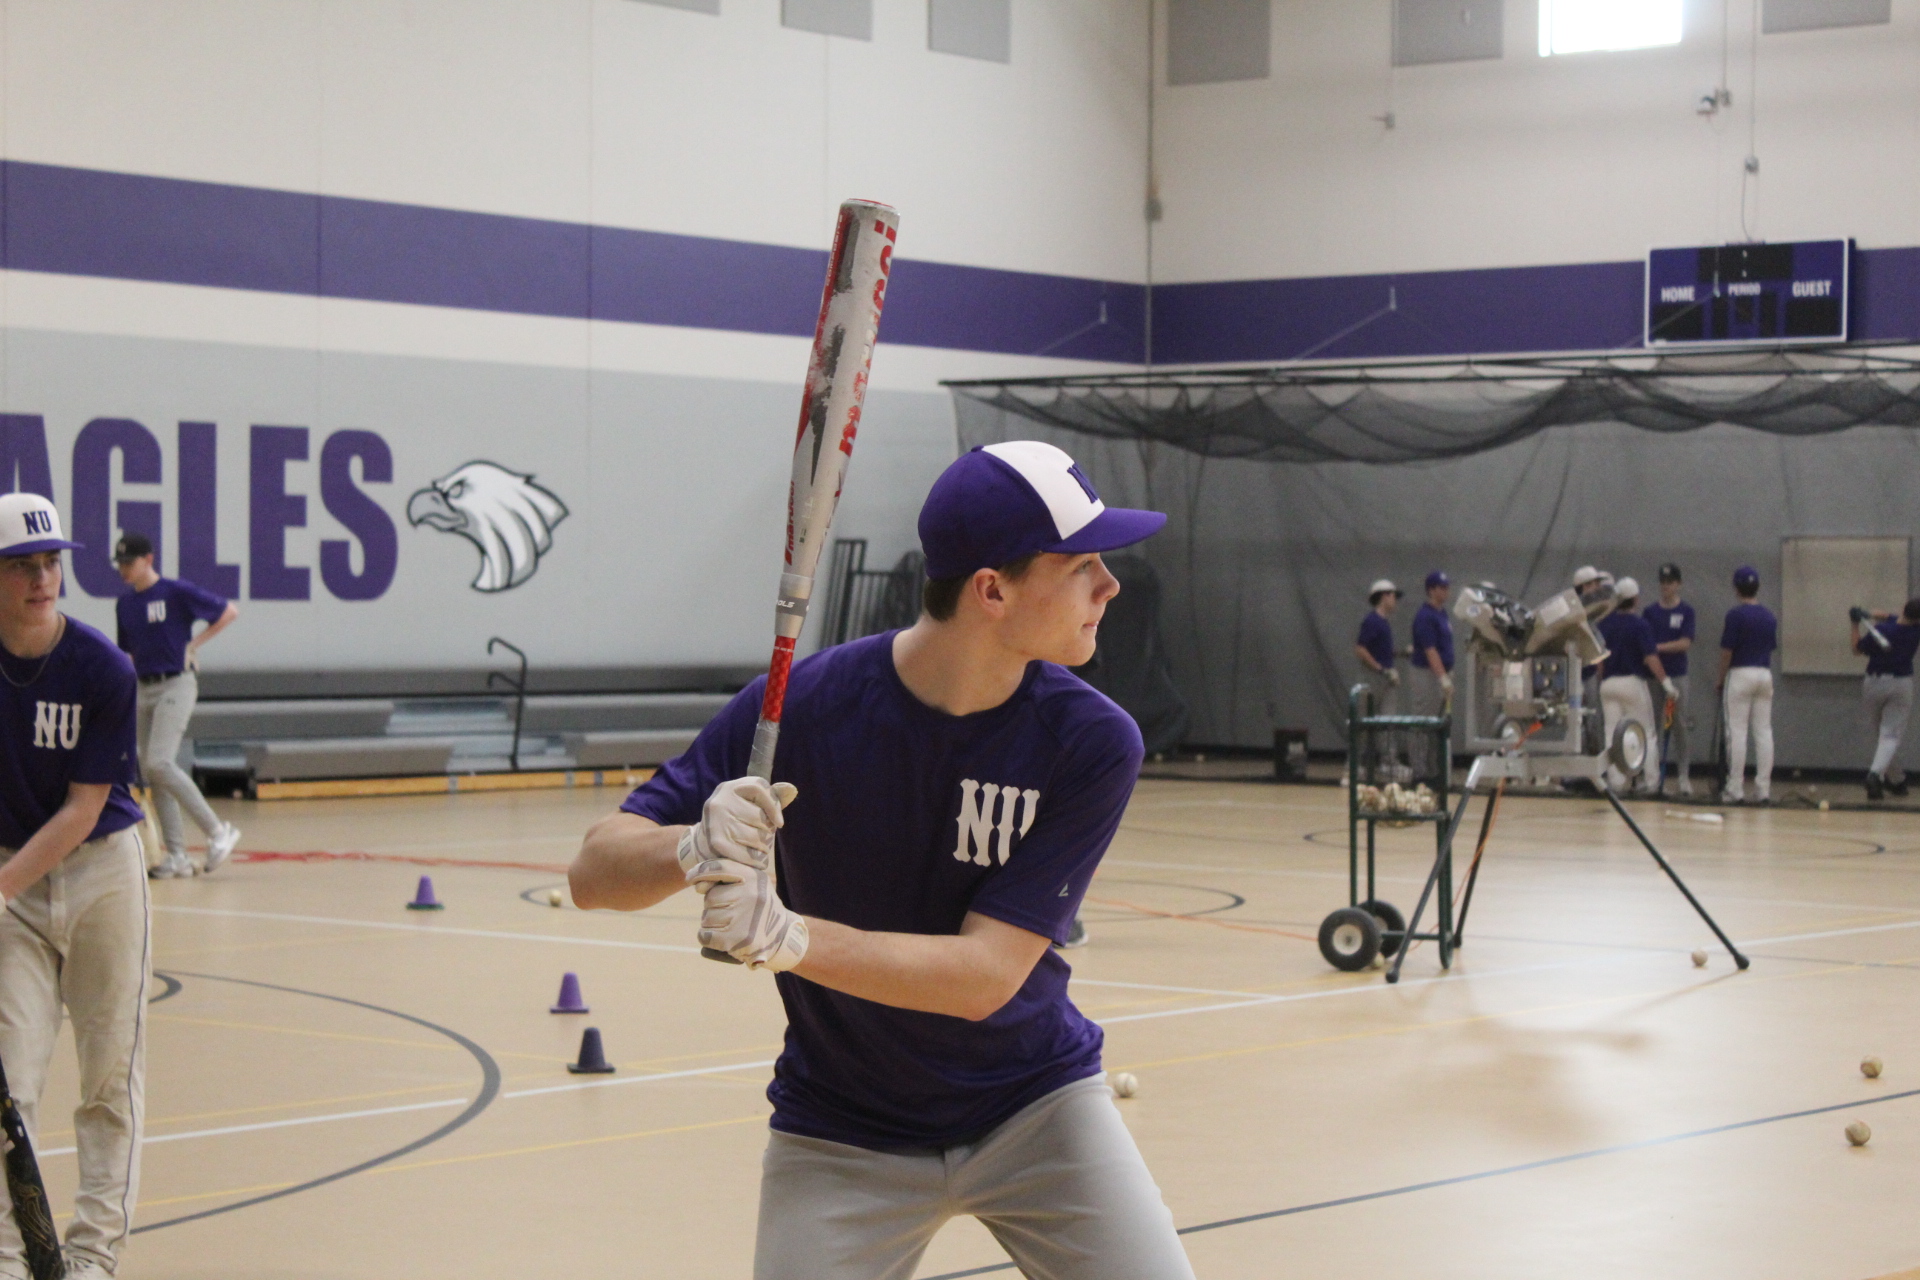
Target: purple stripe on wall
<point>129,227</point>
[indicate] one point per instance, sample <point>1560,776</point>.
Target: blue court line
<point>1548,1163</point>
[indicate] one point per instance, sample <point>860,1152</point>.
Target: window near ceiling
<point>1590,26</point>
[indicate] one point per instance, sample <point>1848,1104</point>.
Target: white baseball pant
<point>1889,702</point>
<point>1749,698</point>
<point>165,708</point>
<point>81,939</point>
<point>1625,698</point>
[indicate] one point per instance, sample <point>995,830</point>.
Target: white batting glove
<point>1666,687</point>
<point>736,825</point>
<point>1446,683</point>
<point>1393,677</point>
<point>745,918</point>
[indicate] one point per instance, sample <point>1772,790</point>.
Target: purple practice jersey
<point>1629,641</point>
<point>66,718</point>
<point>1432,629</point>
<point>156,624</point>
<point>908,819</point>
<point>1751,633</point>
<point>1677,623</point>
<point>1376,637</point>
<point>1903,639</point>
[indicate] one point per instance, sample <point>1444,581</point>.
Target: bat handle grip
<point>759,765</point>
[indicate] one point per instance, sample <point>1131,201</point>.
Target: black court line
<point>489,1089</point>
<point>171,983</point>
<point>1529,1167</point>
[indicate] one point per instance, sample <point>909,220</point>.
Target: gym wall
<point>274,270</point>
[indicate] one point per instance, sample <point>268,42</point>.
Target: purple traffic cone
<point>570,1001</point>
<point>423,899</point>
<point>593,1058</point>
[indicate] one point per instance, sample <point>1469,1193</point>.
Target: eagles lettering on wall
<point>122,479</point>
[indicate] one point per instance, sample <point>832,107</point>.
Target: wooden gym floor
<point>338,1087</point>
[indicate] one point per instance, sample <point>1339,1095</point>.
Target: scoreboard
<point>1748,293</point>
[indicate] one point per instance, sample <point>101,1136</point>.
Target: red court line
<point>323,856</point>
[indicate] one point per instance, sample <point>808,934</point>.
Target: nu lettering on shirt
<point>979,825</point>
<point>56,725</point>
<point>156,611</point>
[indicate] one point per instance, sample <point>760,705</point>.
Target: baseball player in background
<point>156,626</point>
<point>957,786</point>
<point>73,887</point>
<point>1887,692</point>
<point>1631,658</point>
<point>1432,668</point>
<point>1374,648</point>
<point>1747,641</point>
<point>1674,627</point>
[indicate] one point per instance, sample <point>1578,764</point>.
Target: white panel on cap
<point>1046,468</point>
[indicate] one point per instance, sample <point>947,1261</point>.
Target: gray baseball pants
<point>1060,1185</point>
<point>165,708</point>
<point>1386,693</point>
<point>1889,702</point>
<point>80,940</point>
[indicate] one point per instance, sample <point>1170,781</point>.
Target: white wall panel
<point>1528,160</point>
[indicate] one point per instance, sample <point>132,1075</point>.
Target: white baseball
<point>556,898</point>
<point>1858,1133</point>
<point>1124,1084</point>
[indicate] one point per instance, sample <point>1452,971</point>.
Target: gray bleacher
<point>250,740</point>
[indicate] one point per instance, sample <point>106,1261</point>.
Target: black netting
<point>1403,413</point>
<point>1264,568</point>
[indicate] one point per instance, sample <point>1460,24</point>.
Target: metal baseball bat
<point>32,1215</point>
<point>830,405</point>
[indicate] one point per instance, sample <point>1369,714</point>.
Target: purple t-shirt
<point>67,718</point>
<point>1903,639</point>
<point>1376,637</point>
<point>1432,629</point>
<point>1676,623</point>
<point>156,624</point>
<point>1752,633</point>
<point>1629,641</point>
<point>907,819</point>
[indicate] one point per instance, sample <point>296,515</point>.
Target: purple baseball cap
<point>999,502</point>
<point>1438,578</point>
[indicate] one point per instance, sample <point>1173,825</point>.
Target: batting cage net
<point>1513,471</point>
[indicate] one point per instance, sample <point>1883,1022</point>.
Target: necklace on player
<point>44,659</point>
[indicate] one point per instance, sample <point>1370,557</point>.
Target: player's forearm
<point>1434,664</point>
<point>626,863</point>
<point>1675,646</point>
<point>64,832</point>
<point>967,975</point>
<point>215,627</point>
<point>1726,662</point>
<point>1367,660</point>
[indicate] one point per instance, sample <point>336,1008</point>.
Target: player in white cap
<point>1632,657</point>
<point>957,787</point>
<point>74,920</point>
<point>1374,648</point>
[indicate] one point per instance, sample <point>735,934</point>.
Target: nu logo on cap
<point>979,823</point>
<point>56,724</point>
<point>38,521</point>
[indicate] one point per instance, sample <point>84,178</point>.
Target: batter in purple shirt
<point>940,800</point>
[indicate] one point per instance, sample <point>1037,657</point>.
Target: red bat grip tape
<point>777,672</point>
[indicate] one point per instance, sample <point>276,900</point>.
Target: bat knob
<point>721,956</point>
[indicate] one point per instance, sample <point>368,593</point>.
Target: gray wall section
<point>697,6</point>
<point>1428,31</point>
<point>1265,567</point>
<point>1810,15</point>
<point>1210,41</point>
<point>850,18</point>
<point>675,488</point>
<point>971,28</point>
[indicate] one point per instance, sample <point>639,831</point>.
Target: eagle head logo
<point>504,513</point>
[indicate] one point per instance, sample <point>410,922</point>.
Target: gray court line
<point>489,1090</point>
<point>147,1141</point>
<point>1485,1174</point>
<point>422,929</point>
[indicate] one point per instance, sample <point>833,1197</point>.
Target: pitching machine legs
<point>1449,930</point>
